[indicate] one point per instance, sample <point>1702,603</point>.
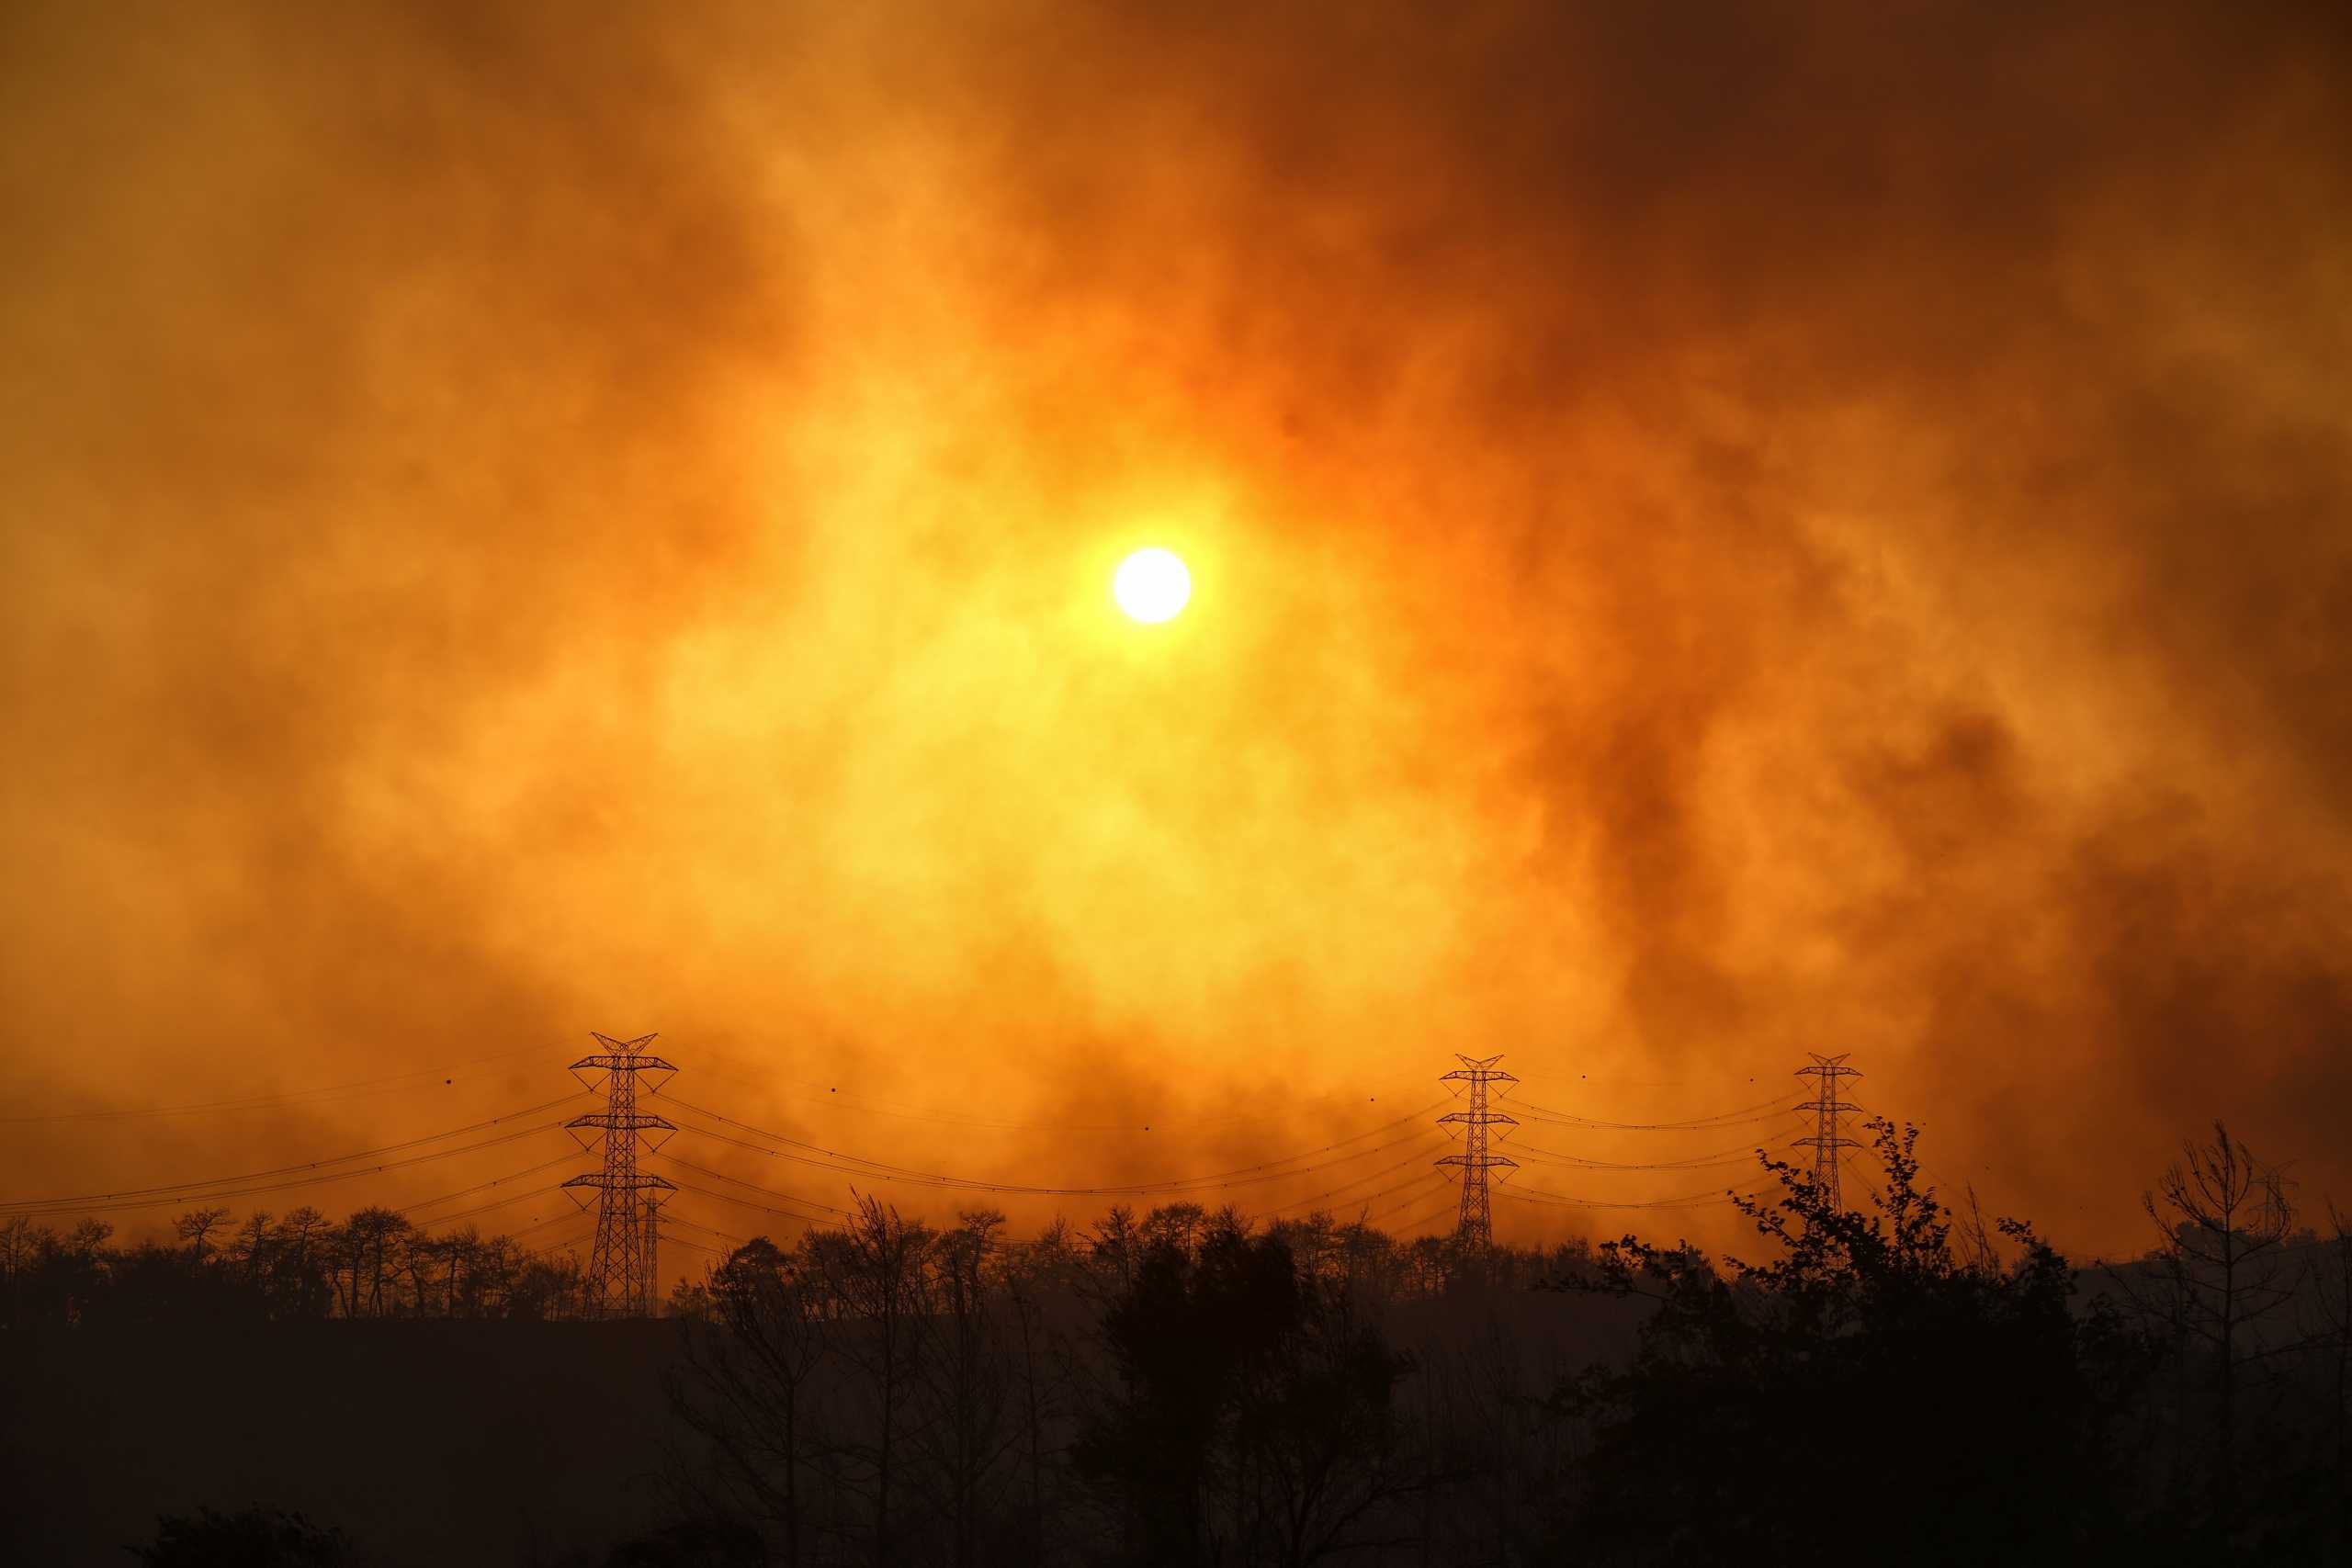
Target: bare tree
<point>748,1385</point>
<point>372,1244</point>
<point>1114,1246</point>
<point>2222,1220</point>
<point>882,1282</point>
<point>299,1264</point>
<point>21,1244</point>
<point>197,1228</point>
<point>249,1249</point>
<point>1050,1266</point>
<point>964,1377</point>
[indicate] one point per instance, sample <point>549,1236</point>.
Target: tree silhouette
<point>1254,1420</point>
<point>1807,1400</point>
<point>965,1379</point>
<point>748,1385</point>
<point>880,1278</point>
<point>255,1538</point>
<point>197,1228</point>
<point>2223,1221</point>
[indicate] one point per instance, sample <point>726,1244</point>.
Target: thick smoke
<point>1720,533</point>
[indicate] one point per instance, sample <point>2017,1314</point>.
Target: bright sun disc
<point>1151,585</point>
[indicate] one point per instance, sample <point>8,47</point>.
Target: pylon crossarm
<point>628,1120</point>
<point>611,1063</point>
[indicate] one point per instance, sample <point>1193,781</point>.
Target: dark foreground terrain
<point>1184,1389</point>
<point>462,1443</point>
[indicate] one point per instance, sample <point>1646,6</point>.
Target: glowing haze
<point>1735,531</point>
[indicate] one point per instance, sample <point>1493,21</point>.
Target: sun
<point>1151,585</point>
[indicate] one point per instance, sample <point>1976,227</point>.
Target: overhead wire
<point>1305,1161</point>
<point>895,1176</point>
<point>1684,1201</point>
<point>1701,1162</point>
<point>1424,1216</point>
<point>507,1201</point>
<point>1743,1116</point>
<point>543,1224</point>
<point>670,1216</point>
<point>906,1172</point>
<point>1368,1199</point>
<point>1370,1176</point>
<point>832,1097</point>
<point>176,1190</point>
<point>1213,1181</point>
<point>485,1186</point>
<point>134,1200</point>
<point>685,1164</point>
<point>805,1220</point>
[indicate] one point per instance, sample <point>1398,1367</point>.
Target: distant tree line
<point>1184,1387</point>
<point>376,1263</point>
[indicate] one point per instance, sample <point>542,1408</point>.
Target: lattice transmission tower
<point>1476,1228</point>
<point>623,1278</point>
<point>1828,1126</point>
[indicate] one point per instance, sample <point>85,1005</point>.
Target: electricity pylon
<point>621,1281</point>
<point>1476,1228</point>
<point>1828,1127</point>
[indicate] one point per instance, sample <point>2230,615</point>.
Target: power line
<point>543,1224</point>
<point>882,1171</point>
<point>483,1186</point>
<point>135,1201</point>
<point>834,1098</point>
<point>1407,1163</point>
<point>1376,1215</point>
<point>501,1203</point>
<point>1365,1203</point>
<point>860,1164</point>
<point>627,1235</point>
<point>1741,1117</point>
<point>1578,1162</point>
<point>679,1219</point>
<point>805,1219</point>
<point>1686,1201</point>
<point>685,1164</point>
<point>1194,1186</point>
<point>193,1189</point>
<point>1422,1218</point>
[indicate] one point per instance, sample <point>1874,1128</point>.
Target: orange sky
<point>1777,530</point>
